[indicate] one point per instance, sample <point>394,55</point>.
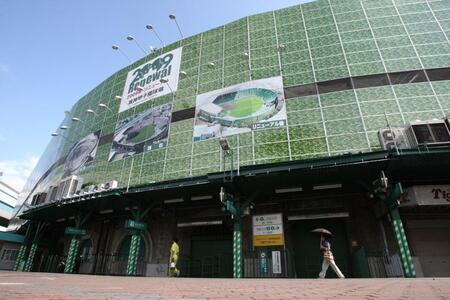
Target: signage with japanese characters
<point>244,107</point>
<point>152,79</point>
<point>268,230</point>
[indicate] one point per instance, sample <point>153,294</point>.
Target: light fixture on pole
<point>150,27</point>
<point>64,127</point>
<point>227,152</point>
<point>118,97</point>
<point>245,55</point>
<point>90,111</point>
<point>131,38</point>
<point>211,65</point>
<point>173,17</point>
<point>102,105</point>
<point>183,74</point>
<point>281,48</point>
<point>115,47</point>
<point>166,81</point>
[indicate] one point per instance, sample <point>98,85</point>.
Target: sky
<point>54,52</point>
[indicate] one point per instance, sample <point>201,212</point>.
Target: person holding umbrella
<point>328,258</point>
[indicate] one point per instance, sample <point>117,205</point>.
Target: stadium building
<point>242,139</point>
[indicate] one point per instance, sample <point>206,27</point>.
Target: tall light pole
<point>102,105</point>
<point>90,111</point>
<point>173,17</point>
<point>150,27</point>
<point>166,81</point>
<point>115,47</point>
<point>131,38</point>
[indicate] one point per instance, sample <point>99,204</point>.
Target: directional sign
<point>132,224</point>
<point>75,231</point>
<point>268,230</point>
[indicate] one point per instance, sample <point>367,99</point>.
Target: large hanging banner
<point>143,83</point>
<point>145,131</point>
<point>240,108</point>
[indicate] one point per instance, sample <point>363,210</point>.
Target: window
<point>439,74</point>
<point>183,114</point>
<point>370,80</point>
<point>301,90</point>
<point>334,85</point>
<point>407,77</point>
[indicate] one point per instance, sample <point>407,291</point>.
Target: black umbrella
<point>322,231</point>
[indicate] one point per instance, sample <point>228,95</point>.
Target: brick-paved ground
<point>35,286</point>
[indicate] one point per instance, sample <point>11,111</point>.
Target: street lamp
<point>90,111</point>
<point>104,106</point>
<point>173,17</point>
<point>164,80</point>
<point>118,97</point>
<point>150,27</point>
<point>115,47</point>
<point>131,38</point>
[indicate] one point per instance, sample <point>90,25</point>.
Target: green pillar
<point>237,248</point>
<point>29,263</point>
<point>400,236</point>
<point>20,257</point>
<point>133,253</point>
<point>72,254</point>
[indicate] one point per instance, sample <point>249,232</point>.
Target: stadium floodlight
<point>76,119</point>
<point>103,105</point>
<point>90,111</point>
<point>281,47</point>
<point>183,73</point>
<point>64,127</point>
<point>115,47</point>
<point>132,38</point>
<point>211,65</point>
<point>166,81</point>
<point>245,55</point>
<point>150,27</point>
<point>118,97</point>
<point>173,17</point>
<point>55,134</point>
<point>223,142</point>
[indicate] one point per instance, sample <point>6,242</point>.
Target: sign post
<point>268,230</point>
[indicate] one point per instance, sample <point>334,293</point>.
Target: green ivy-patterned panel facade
<point>321,41</point>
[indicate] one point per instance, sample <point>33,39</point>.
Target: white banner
<point>143,83</point>
<point>240,108</point>
<point>268,224</point>
<point>426,195</point>
<point>276,262</point>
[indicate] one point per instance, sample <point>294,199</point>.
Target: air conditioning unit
<point>392,138</point>
<point>67,187</point>
<point>428,133</point>
<point>110,185</point>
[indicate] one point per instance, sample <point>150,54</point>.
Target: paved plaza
<point>16,285</point>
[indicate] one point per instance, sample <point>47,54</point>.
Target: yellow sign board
<point>268,240</point>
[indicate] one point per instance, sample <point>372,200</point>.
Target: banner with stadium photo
<point>81,154</point>
<point>240,108</point>
<point>143,83</point>
<point>145,131</point>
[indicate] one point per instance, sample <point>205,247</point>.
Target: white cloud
<point>15,172</point>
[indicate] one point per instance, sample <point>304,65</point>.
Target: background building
<point>301,95</point>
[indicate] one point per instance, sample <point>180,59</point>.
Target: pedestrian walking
<point>328,258</point>
<point>173,259</point>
